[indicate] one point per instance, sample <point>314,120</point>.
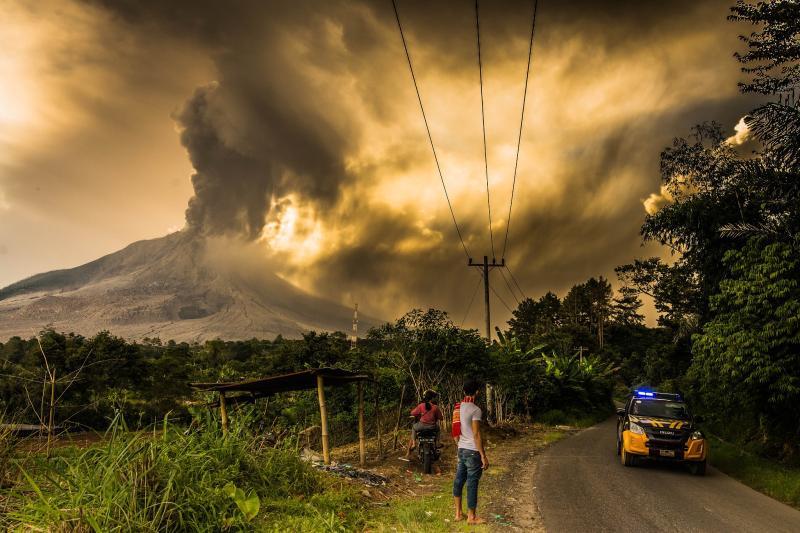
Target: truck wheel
<point>626,458</point>
<point>697,468</point>
<point>427,460</point>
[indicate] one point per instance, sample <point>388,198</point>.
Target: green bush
<point>553,417</point>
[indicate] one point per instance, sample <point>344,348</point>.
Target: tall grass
<point>7,448</point>
<point>776,480</point>
<point>168,481</point>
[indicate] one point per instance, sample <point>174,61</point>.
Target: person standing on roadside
<point>472,459</point>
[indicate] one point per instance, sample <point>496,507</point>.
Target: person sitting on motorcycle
<point>428,416</point>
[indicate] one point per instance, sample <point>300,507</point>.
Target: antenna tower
<point>354,338</point>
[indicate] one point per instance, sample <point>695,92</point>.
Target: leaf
<point>249,506</point>
<point>93,522</point>
<point>229,490</point>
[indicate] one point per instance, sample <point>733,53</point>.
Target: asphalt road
<point>580,485</point>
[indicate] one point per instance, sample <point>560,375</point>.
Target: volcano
<point>179,287</point>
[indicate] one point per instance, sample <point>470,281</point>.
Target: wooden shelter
<point>254,389</point>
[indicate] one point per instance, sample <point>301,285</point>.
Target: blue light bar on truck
<point>657,395</point>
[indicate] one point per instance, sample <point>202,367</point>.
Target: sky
<point>294,128</point>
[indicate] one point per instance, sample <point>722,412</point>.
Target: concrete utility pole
<point>581,349</point>
<point>486,266</point>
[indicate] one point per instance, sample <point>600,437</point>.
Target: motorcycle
<point>427,449</point>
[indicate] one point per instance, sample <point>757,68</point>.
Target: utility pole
<point>486,266</point>
<point>580,352</point>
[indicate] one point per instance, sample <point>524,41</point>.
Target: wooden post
<point>323,415</point>
<point>362,446</point>
<point>378,423</point>
<point>223,413</point>
<point>399,414</point>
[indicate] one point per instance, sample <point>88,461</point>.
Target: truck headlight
<point>636,429</point>
<point>697,435</point>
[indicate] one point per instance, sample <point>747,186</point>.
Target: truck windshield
<point>660,409</point>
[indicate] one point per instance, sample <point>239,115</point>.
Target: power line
<point>508,285</point>
<point>514,279</point>
<point>483,125</point>
<point>501,300</point>
<point>521,120</point>
<point>482,277</point>
<point>427,128</point>
<point>471,300</point>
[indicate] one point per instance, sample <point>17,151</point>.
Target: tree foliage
<point>733,225</point>
<point>749,352</point>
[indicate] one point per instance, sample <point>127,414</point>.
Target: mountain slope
<point>175,287</point>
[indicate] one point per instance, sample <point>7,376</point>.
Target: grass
<point>174,482</point>
<point>773,479</point>
<point>552,436</point>
<point>432,513</point>
<point>166,480</point>
<point>578,419</point>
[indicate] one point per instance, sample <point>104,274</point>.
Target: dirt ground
<point>506,490</point>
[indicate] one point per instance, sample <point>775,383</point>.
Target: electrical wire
<point>521,120</point>
<point>471,300</point>
<point>427,128</point>
<point>501,300</point>
<point>508,285</point>
<point>514,279</point>
<point>483,125</point>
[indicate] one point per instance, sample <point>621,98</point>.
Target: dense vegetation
<point>102,377</point>
<point>735,227</point>
<point>172,481</point>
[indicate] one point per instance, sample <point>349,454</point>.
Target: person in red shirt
<point>428,416</point>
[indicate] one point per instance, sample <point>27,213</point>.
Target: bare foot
<point>458,518</point>
<point>475,521</point>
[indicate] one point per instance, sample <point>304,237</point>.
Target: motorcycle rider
<point>428,416</point>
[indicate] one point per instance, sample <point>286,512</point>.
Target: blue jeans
<point>469,471</point>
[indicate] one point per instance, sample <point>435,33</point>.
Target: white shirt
<point>469,412</point>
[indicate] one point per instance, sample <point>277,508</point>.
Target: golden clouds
<point>654,202</point>
<point>312,144</point>
<point>742,134</point>
<point>36,67</point>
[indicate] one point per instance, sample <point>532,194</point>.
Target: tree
<point>625,308</point>
<point>535,321</point>
<point>588,305</point>
<point>520,382</point>
<point>599,295</point>
<point>577,306</point>
<point>750,351</point>
<point>772,53</point>
<point>427,347</point>
<point>675,290</point>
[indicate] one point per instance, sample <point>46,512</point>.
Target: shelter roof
<point>304,380</point>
